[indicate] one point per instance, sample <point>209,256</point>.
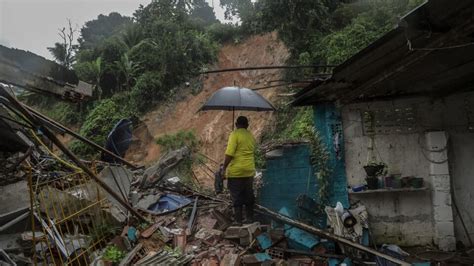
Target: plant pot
<point>372,183</point>
<point>396,182</point>
<point>388,181</point>
<point>406,181</point>
<point>417,182</point>
<point>374,170</point>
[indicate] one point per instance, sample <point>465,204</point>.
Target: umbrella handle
<point>233,117</point>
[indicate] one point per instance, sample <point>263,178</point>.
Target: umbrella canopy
<point>236,98</point>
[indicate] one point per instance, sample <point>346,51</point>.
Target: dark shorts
<point>241,191</point>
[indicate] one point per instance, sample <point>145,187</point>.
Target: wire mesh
<point>74,216</point>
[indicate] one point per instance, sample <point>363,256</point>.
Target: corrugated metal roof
<point>388,68</point>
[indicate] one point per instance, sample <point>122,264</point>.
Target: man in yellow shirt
<point>239,168</point>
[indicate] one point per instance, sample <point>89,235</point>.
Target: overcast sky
<point>33,24</point>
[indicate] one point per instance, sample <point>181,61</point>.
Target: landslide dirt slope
<point>213,127</point>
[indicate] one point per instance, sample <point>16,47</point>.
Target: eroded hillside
<point>213,127</point>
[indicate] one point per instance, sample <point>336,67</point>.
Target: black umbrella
<point>236,98</point>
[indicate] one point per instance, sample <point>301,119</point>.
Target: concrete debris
<point>154,174</point>
<point>9,170</point>
<point>152,217</point>
<point>12,197</point>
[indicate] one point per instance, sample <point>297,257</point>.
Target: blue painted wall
<point>291,175</point>
<point>288,177</point>
<point>328,122</point>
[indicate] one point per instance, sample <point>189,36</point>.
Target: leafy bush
<point>180,139</point>
<point>147,91</point>
<point>99,122</point>
<point>113,254</point>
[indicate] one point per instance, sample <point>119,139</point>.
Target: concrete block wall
<point>401,218</point>
<point>417,218</point>
<point>436,143</point>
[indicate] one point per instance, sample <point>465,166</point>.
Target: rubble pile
<point>178,223</point>
<point>9,170</point>
<point>61,210</point>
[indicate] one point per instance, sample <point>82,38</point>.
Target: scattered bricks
<point>222,221</point>
<point>234,232</point>
<point>244,233</point>
<point>207,222</point>
<point>179,240</point>
<point>150,230</point>
<point>229,259</point>
<point>275,254</point>
<point>202,254</point>
<point>206,234</point>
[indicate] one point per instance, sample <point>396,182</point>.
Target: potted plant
<point>373,170</point>
<point>374,167</point>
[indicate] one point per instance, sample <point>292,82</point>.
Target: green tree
<point>127,69</point>
<point>202,13</point>
<point>132,36</point>
<point>105,26</point>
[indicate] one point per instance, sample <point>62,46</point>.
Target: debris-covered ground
<point>59,209</point>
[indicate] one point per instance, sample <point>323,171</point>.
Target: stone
<point>164,165</point>
<point>14,196</point>
<point>205,233</point>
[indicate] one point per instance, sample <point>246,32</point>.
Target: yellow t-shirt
<point>241,147</point>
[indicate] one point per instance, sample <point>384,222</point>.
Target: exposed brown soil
<point>213,127</point>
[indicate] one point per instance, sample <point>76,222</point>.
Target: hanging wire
<point>79,170</point>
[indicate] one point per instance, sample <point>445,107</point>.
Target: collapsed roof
<point>32,72</point>
<point>430,53</point>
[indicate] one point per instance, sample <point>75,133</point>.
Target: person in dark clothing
<point>239,169</point>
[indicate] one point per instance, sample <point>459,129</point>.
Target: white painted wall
<point>408,218</point>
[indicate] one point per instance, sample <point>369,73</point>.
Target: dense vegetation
<point>135,63</point>
<point>317,32</point>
